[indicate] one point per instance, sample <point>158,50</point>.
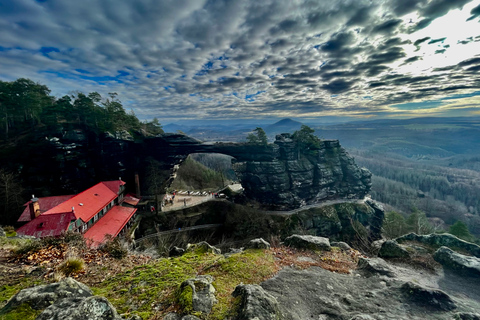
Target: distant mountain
<point>284,125</point>
<point>173,127</point>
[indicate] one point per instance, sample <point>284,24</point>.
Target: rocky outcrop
<point>277,175</point>
<point>197,294</point>
<point>344,221</point>
<point>391,249</point>
<point>255,304</point>
<point>461,264</point>
<point>445,239</point>
<point>308,242</point>
<point>291,179</point>
<point>427,297</point>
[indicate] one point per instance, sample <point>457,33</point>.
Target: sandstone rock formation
<point>446,239</point>
<point>278,175</point>
<point>291,179</point>
<point>469,266</point>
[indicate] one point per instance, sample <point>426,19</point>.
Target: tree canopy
<point>257,137</point>
<point>307,142</point>
<point>25,104</point>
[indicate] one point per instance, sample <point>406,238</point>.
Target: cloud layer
<point>193,59</point>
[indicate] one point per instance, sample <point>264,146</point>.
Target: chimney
<point>34,207</point>
<point>137,185</point>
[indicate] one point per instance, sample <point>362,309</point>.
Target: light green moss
<point>185,298</point>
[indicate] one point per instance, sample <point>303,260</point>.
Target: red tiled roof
<point>114,185</point>
<point>131,200</point>
<point>111,223</point>
<point>45,203</point>
<point>87,203</point>
<point>47,225</point>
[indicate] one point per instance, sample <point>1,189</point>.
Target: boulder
<point>91,308</point>
<point>190,317</point>
<point>391,249</point>
<point>342,245</point>
<point>176,252</point>
<point>258,244</point>
<point>203,247</point>
<point>197,294</point>
<point>43,296</point>
<point>374,266</point>
<point>308,242</point>
<point>427,297</point>
<point>443,240</point>
<point>172,316</point>
<point>362,317</point>
<point>466,316</point>
<point>464,265</point>
<point>255,304</point>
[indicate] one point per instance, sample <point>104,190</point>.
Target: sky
<point>249,59</point>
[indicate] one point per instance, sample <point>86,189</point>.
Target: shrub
<point>71,266</point>
<point>114,248</point>
<point>9,231</point>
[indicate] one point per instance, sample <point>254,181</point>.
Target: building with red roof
<point>79,213</point>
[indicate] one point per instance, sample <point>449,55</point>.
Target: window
<point>84,227</point>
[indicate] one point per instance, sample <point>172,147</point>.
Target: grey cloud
<point>475,12</point>
<point>438,8</point>
<point>388,26</point>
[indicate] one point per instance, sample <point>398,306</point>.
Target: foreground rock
<point>427,297</point>
<point>316,293</point>
<point>91,308</point>
<point>41,297</point>
<point>64,300</point>
<point>256,304</point>
<point>467,266</point>
<point>443,240</point>
<point>197,294</point>
<point>308,242</point>
<point>374,266</point>
<point>391,249</point>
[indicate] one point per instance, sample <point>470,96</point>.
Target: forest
<point>26,105</point>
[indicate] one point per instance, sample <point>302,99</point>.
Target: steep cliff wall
<point>292,179</point>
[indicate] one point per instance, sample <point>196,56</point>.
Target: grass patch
<point>149,290</point>
<point>71,265</point>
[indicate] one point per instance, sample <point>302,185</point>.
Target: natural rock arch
<point>277,175</point>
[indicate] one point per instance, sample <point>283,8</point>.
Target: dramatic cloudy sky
<point>200,59</point>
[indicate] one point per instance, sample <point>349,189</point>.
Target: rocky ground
<point>414,277</point>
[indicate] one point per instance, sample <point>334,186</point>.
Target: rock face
<point>255,304</point>
<point>291,179</point>
<point>468,266</point>
<point>335,221</point>
<point>93,308</point>
<point>308,242</point>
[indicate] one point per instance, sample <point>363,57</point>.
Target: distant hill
<point>282,126</point>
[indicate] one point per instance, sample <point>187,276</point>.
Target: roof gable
<point>87,203</point>
<point>45,203</point>
<point>51,225</point>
